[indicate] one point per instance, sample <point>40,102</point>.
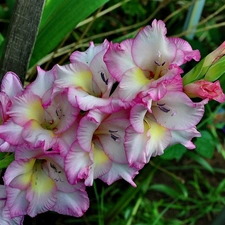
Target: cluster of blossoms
<point>103,115</point>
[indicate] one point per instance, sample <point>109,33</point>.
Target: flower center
<point>159,65</point>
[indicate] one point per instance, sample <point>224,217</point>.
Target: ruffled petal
<point>16,201</point>
<point>159,138</point>
<point>135,147</point>
<point>110,134</point>
<point>120,171</point>
<point>101,165</point>
<point>67,138</point>
<point>137,115</point>
<point>177,112</point>
<point>12,133</point>
<point>152,49</point>
<point>184,137</point>
<point>102,80</point>
<point>42,83</point>
<point>19,173</point>
<point>37,136</point>
<point>25,108</point>
<point>77,164</point>
<point>118,58</point>
<point>87,56</point>
<point>11,85</point>
<point>72,204</point>
<point>133,81</point>
<point>63,112</point>
<point>171,81</point>
<point>76,75</point>
<point>89,102</point>
<point>87,127</point>
<point>185,49</point>
<point>42,191</point>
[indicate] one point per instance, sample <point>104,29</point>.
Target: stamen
<point>59,113</point>
<point>156,63</point>
<point>114,135</point>
<point>103,78</point>
<point>162,108</point>
<point>57,172</point>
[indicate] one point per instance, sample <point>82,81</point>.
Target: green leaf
<point>4,162</point>
<point>200,160</point>
<point>216,70</point>
<point>10,4</point>
<point>1,39</point>
<point>205,145</point>
<point>59,18</point>
<point>166,190</point>
<point>220,188</point>
<point>174,152</point>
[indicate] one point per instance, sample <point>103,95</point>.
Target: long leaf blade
<point>58,20</point>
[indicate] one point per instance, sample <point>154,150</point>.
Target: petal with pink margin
<point>120,171</point>
<point>12,133</point>
<point>41,193</point>
<point>151,45</point>
<point>16,201</point>
<point>184,137</point>
<point>43,82</point>
<point>11,85</point>
<point>25,108</point>
<point>37,136</point>
<point>19,173</point>
<point>136,147</point>
<point>176,111</point>
<point>87,126</point>
<point>77,164</point>
<point>87,56</point>
<point>159,137</point>
<point>72,204</point>
<point>76,75</point>
<point>185,50</point>
<point>132,83</point>
<point>118,58</point>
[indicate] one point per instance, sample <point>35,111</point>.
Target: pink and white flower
<point>87,78</point>
<point>99,149</point>
<point>36,122</point>
<point>135,63</point>
<point>36,182</point>
<point>170,120</point>
<point>10,87</point>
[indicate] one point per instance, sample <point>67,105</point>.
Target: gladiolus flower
<point>36,182</point>
<point>99,149</point>
<point>135,63</point>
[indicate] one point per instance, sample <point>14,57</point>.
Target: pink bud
<point>205,89</point>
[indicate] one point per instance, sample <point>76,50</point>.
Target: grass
<point>184,188</point>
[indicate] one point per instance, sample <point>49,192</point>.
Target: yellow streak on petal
<point>100,157</point>
<point>140,77</point>
<point>41,183</point>
<point>156,131</point>
<point>35,111</point>
<point>83,80</point>
<point>28,168</point>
